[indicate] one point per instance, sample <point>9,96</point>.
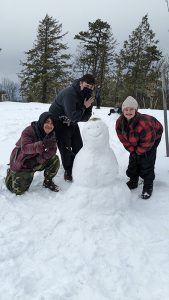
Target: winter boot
<point>132,183</point>
<point>49,184</point>
<point>147,191</point>
<point>68,176</point>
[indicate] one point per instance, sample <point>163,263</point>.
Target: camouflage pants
<point>19,182</point>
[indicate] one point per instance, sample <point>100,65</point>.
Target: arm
<point>146,142</point>
<point>123,137</point>
<point>147,136</point>
<point>28,143</point>
<point>70,107</point>
<point>88,109</point>
<point>87,114</point>
<point>125,143</point>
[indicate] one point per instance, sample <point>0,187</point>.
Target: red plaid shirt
<point>140,134</point>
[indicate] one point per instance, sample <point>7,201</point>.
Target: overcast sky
<point>19,20</point>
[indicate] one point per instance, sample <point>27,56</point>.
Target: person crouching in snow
<point>34,151</point>
<point>140,134</point>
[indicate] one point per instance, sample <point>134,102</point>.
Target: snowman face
<point>95,134</point>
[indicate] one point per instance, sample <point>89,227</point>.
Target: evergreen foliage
<point>46,69</point>
<point>138,67</point>
<point>134,71</point>
<point>96,51</point>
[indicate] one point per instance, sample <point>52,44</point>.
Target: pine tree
<point>46,68</point>
<point>97,50</point>
<point>137,63</point>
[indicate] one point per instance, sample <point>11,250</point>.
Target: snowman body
<point>95,165</point>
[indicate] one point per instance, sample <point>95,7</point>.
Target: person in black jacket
<point>72,105</point>
<point>98,96</point>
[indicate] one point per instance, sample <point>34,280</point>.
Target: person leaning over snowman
<point>34,151</point>
<point>140,134</point>
<point>72,105</point>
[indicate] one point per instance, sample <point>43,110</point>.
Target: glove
<point>39,147</point>
<point>65,120</point>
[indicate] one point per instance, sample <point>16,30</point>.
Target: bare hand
<point>88,103</point>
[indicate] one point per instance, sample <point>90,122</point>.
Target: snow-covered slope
<point>79,243</point>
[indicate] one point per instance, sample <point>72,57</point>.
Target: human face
<point>48,126</point>
<point>129,113</point>
<point>84,84</point>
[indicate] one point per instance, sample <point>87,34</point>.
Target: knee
<point>18,183</point>
<point>15,189</point>
<point>19,193</point>
<point>10,183</point>
<point>19,187</point>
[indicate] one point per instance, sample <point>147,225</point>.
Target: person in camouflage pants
<point>19,182</point>
<point>35,151</point>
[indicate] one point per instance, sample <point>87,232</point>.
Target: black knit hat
<point>43,117</point>
<point>88,78</point>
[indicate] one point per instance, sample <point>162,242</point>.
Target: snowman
<point>95,164</point>
<point>95,169</point>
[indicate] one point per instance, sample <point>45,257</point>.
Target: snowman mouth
<point>95,134</point>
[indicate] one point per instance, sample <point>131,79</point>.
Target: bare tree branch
<point>167,4</point>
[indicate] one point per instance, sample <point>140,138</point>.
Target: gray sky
<point>19,20</point>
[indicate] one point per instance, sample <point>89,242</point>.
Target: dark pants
<point>98,102</point>
<point>69,143</point>
<point>143,166</point>
<point>19,182</point>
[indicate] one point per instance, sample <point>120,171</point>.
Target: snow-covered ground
<point>83,243</point>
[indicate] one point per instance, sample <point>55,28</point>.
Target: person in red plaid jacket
<point>140,134</point>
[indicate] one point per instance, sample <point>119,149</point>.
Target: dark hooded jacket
<point>31,150</point>
<point>70,103</point>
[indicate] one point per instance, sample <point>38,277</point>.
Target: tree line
<point>133,70</point>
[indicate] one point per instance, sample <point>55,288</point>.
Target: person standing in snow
<point>140,134</point>
<point>34,151</point>
<point>98,96</point>
<point>72,105</point>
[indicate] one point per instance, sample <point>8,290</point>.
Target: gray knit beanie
<point>130,102</point>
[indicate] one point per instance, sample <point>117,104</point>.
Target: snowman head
<point>95,134</point>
